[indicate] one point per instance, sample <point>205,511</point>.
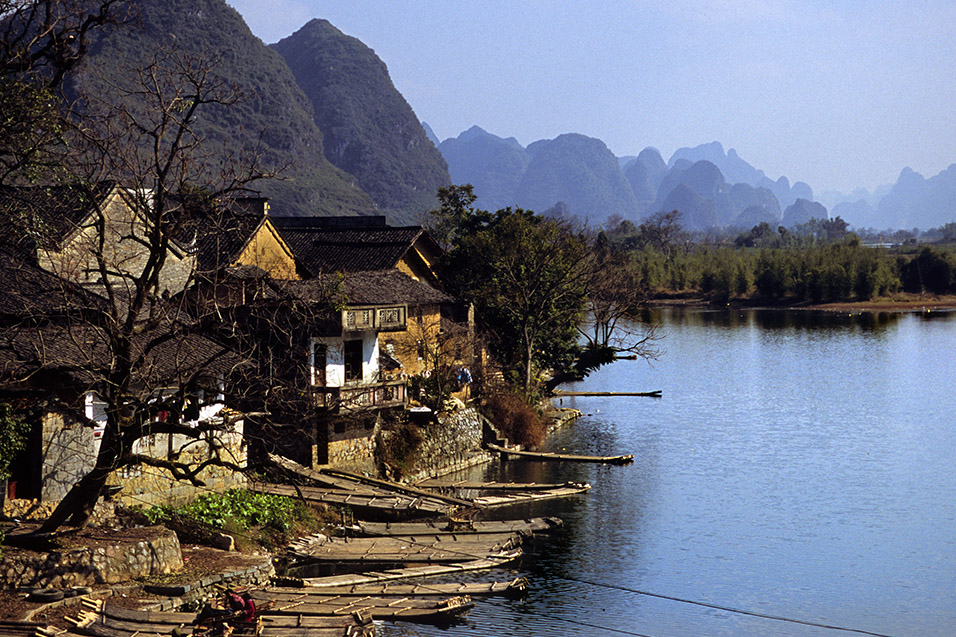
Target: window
<point>353,361</point>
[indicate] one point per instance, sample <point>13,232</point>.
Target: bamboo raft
<point>99,619</point>
<point>510,492</point>
<point>533,525</point>
<point>513,497</point>
<point>430,570</point>
<point>386,589</point>
<point>435,483</point>
<point>402,550</point>
<point>561,457</point>
<point>362,503</point>
<point>336,479</point>
<point>653,394</point>
<point>302,601</point>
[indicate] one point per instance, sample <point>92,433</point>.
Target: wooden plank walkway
<point>561,457</point>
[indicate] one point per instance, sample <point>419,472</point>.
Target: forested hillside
<point>370,130</point>
<point>273,114</point>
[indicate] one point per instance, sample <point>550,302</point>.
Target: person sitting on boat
<point>232,606</point>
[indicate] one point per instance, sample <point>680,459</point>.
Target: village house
<point>367,244</point>
<point>331,316</point>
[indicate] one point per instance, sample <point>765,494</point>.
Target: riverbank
<point>901,302</point>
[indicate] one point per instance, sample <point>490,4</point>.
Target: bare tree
<point>616,301</point>
<point>137,348</point>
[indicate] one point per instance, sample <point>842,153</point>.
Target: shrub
<point>515,418</point>
<point>396,448</point>
<point>265,519</point>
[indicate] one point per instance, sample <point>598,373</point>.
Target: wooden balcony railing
<point>359,397</point>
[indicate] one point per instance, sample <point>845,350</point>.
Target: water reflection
<point>771,319</point>
<point>798,464</point>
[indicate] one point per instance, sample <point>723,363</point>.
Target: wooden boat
<point>442,548</point>
<point>561,457</point>
<point>654,394</point>
<point>452,526</point>
<point>362,503</point>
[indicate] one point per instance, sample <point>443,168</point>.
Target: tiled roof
<point>28,291</point>
<point>392,287</point>
<point>78,354</point>
<point>381,287</point>
<point>360,248</point>
<point>49,213</point>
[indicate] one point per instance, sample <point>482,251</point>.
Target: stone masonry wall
<point>68,454</point>
<point>90,566</point>
<point>353,454</point>
<point>453,443</point>
<point>148,486</point>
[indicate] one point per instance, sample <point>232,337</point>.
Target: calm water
<point>799,465</point>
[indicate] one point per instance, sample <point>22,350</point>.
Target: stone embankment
<point>105,563</point>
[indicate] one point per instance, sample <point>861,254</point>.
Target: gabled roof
<point>49,214</point>
<point>359,247</point>
<point>218,245</point>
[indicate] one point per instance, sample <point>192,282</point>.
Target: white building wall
<point>335,358</point>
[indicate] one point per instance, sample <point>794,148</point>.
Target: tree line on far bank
<point>555,301</point>
<point>819,261</point>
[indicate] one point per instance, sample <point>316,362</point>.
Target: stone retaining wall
<point>147,486</point>
<point>453,443</point>
<point>92,566</point>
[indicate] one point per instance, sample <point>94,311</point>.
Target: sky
<point>840,94</point>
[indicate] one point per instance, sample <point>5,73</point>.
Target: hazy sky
<point>839,94</point>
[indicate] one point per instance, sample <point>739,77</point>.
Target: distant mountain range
<point>713,188</point>
<point>322,105</point>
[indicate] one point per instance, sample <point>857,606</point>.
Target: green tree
<point>13,437</point>
<point>528,279</point>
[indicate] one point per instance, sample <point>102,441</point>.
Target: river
<point>798,472</point>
